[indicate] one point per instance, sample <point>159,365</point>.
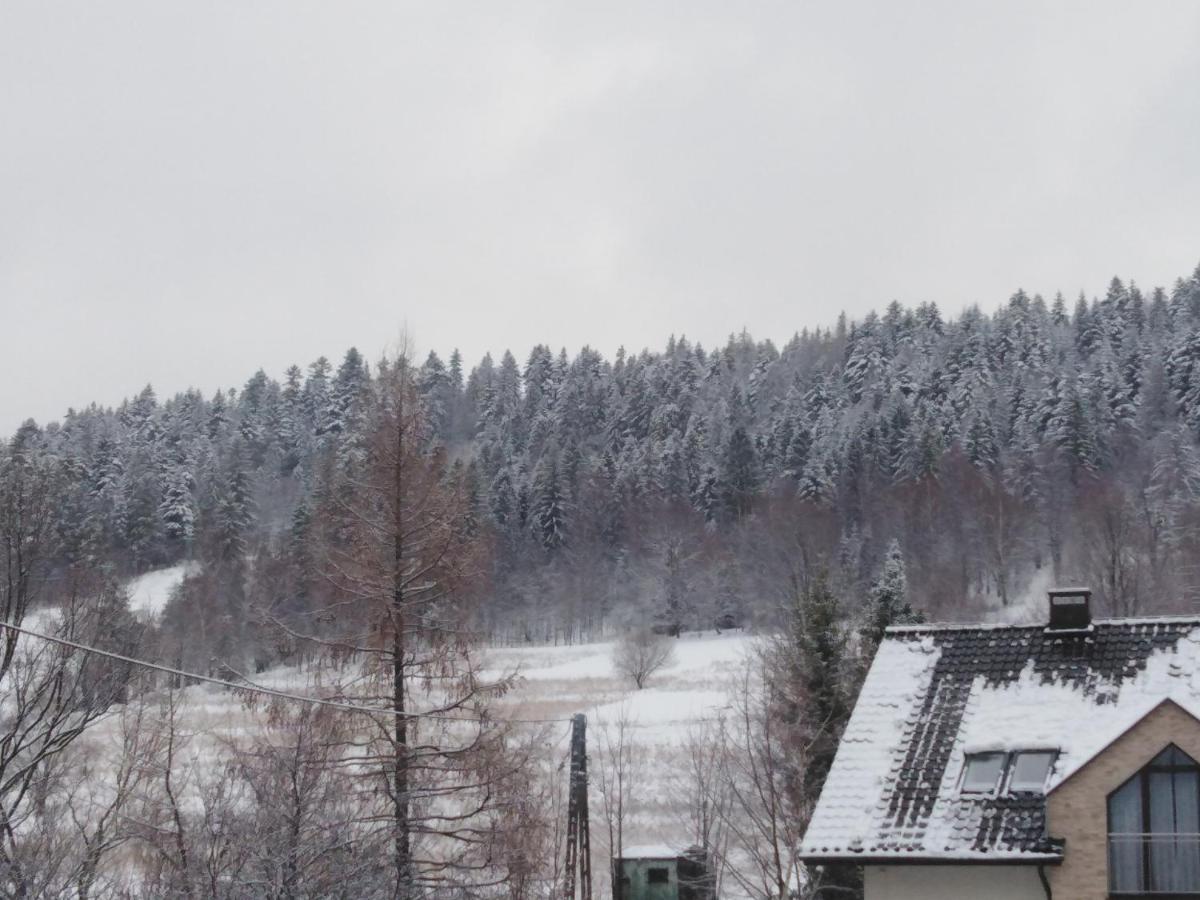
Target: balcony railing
<point>1164,864</point>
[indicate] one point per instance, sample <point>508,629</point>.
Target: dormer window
<point>1022,771</point>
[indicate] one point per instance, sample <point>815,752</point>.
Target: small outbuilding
<point>659,872</point>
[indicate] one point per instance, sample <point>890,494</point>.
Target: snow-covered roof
<point>650,851</point>
<point>936,693</point>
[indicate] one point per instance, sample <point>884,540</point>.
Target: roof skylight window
<point>999,771</point>
<point>1030,768</point>
<point>982,772</point>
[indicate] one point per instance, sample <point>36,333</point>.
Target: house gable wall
<point>977,882</point>
<point>1077,810</point>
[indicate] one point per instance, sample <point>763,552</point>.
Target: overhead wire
<point>252,688</point>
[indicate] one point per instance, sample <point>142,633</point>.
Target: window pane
<point>983,772</point>
<point>1187,810</point>
<point>1125,841</point>
<point>1162,826</point>
<point>658,876</point>
<point>1173,756</point>
<point>1030,771</point>
<point>1185,861</point>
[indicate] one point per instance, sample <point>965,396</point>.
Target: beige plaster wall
<point>997,882</point>
<point>1078,810</point>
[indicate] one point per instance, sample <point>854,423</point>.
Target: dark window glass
<point>1154,828</point>
<point>1172,756</point>
<point>658,876</point>
<point>1125,841</point>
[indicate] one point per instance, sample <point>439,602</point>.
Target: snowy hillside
<point>150,593</point>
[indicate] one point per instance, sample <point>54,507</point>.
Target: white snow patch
<point>650,851</point>
<point>150,593</point>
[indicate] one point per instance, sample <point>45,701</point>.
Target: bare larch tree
<point>403,558</point>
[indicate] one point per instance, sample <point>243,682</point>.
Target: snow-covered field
<point>580,678</point>
<point>555,682</point>
<point>149,593</point>
<point>692,689</point>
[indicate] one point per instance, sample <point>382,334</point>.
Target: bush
<point>640,653</point>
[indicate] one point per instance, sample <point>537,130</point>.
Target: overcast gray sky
<point>189,191</point>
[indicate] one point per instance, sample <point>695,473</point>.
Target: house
<point>659,872</point>
<point>1022,762</point>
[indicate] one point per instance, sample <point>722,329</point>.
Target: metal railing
<point>1154,863</point>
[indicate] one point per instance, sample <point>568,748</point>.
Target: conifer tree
<point>821,666</point>
<point>503,504</point>
<point>235,513</point>
<point>316,396</point>
<point>887,603</point>
<point>549,510</point>
<point>177,506</point>
<point>707,496</point>
<point>739,473</point>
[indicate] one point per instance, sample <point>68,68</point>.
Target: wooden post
<point>579,842</point>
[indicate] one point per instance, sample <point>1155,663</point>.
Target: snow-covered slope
<point>149,593</point>
<point>693,689</point>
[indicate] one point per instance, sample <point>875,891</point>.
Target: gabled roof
<point>936,693</point>
<point>1112,739</point>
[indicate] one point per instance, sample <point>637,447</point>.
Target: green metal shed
<point>660,872</point>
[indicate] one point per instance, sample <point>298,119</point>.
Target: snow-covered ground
<point>554,683</point>
<point>580,679</point>
<point>149,593</point>
<point>693,689</point>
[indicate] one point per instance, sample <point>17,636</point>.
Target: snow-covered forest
<point>365,531</point>
<point>1049,439</point>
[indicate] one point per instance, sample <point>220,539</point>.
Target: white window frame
<point>1001,775</point>
<point>1010,769</point>
<point>1008,759</point>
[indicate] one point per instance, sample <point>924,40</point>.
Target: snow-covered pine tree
<point>739,474</point>
<point>887,603</point>
<point>177,507</point>
<point>549,504</point>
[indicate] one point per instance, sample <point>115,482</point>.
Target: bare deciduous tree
<point>299,803</point>
<point>29,485</point>
<point>703,781</point>
<point>404,557</point>
<point>96,792</point>
<point>618,774</point>
<point>639,653</point>
<point>50,694</point>
<point>757,763</point>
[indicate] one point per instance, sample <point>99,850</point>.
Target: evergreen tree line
<point>1046,441</point>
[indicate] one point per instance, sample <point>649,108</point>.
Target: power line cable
<point>250,687</point>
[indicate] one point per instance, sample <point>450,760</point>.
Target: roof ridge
<point>1037,626</point>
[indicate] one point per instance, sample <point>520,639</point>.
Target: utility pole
<point>579,841</point>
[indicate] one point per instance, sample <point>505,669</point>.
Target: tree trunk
<point>400,821</point>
